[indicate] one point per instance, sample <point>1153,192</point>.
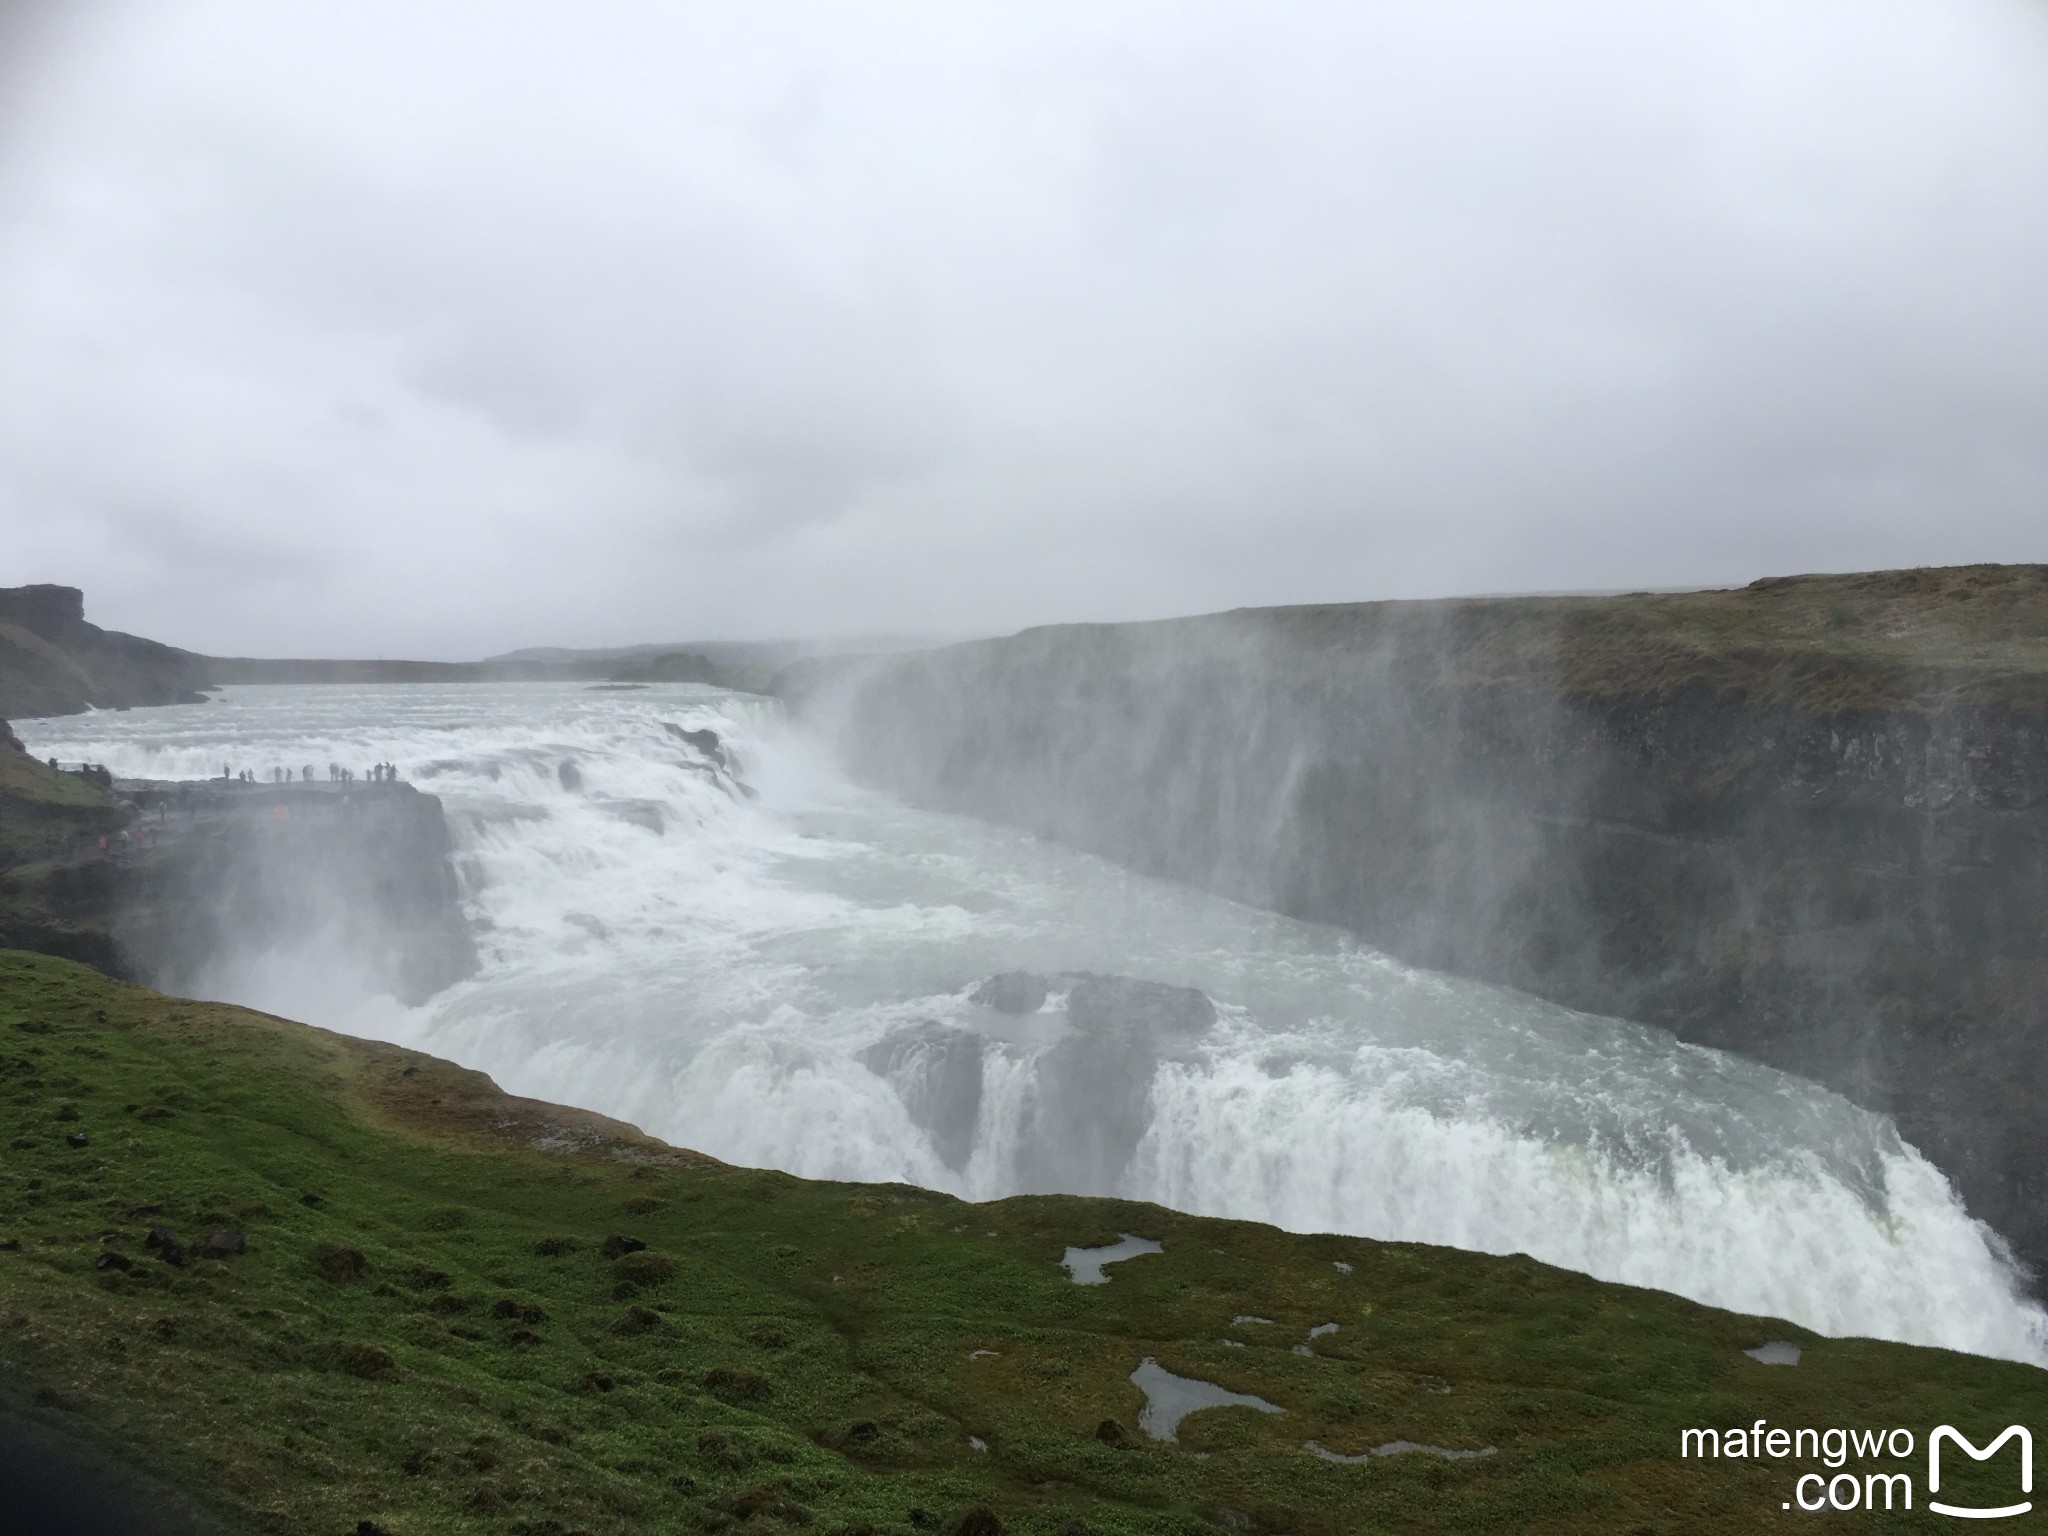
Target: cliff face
<point>1807,821</point>
<point>172,883</point>
<point>222,874</point>
<point>52,662</point>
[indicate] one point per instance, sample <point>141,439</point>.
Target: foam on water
<point>720,970</point>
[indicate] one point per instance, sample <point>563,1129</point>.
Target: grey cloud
<point>650,321</point>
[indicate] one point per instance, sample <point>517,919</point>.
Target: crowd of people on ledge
<point>380,773</point>
<point>94,772</point>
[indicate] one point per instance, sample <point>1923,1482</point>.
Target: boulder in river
<point>1015,992</point>
<point>936,1072</point>
<point>1092,1101</point>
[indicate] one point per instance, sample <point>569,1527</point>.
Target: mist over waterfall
<point>719,939</point>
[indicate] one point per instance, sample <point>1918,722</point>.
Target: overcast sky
<point>437,329</point>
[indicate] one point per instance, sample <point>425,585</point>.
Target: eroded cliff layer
<point>1806,820</point>
<point>52,662</point>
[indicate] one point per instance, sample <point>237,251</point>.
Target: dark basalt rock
<point>222,1245</point>
<point>704,742</point>
<point>936,1071</point>
<point>1092,1100</point>
<point>616,1246</point>
<point>108,1260</point>
<point>1014,992</point>
<point>78,1139</point>
<point>1153,1008</point>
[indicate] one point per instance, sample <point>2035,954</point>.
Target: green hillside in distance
<point>431,1327</point>
<point>1908,639</point>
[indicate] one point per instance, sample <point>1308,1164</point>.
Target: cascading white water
<point>786,981</point>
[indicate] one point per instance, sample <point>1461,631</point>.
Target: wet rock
<point>936,1072</point>
<point>108,1260</point>
<point>1153,1008</point>
<point>78,1139</point>
<point>616,1247</point>
<point>1092,1100</point>
<point>704,742</point>
<point>1014,992</point>
<point>569,776</point>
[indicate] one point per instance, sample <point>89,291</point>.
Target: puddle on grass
<point>1324,1453</point>
<point>1396,1448</point>
<point>1777,1352</point>
<point>1085,1264</point>
<point>1170,1398</point>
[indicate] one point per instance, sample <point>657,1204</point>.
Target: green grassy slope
<point>426,1331</point>
<point>1875,640</point>
<point>50,823</point>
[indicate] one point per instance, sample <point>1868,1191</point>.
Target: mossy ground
<point>426,1332</point>
<point>40,807</point>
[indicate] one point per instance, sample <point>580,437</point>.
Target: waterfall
<point>720,940</point>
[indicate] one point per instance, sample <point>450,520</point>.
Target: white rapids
<point>727,972</point>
